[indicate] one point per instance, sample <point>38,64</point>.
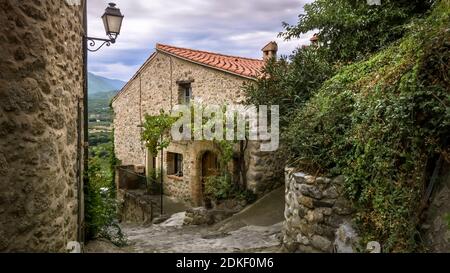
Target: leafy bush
<point>155,128</point>
<point>100,196</point>
<point>379,122</point>
<point>99,138</point>
<point>219,187</point>
<point>222,188</point>
<point>290,83</point>
<point>101,206</point>
<point>351,29</point>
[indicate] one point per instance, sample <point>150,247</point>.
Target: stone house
<point>41,121</point>
<point>174,76</point>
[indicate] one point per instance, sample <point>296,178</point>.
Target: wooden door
<point>210,167</point>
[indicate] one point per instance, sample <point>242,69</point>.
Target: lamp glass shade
<point>112,20</point>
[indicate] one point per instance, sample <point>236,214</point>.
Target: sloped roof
<point>246,67</point>
<point>240,66</point>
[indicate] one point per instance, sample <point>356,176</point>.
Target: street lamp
<point>112,20</point>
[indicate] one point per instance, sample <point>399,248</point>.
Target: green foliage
<point>154,182</point>
<point>290,84</point>
<point>96,139</point>
<point>379,122</point>
<point>350,29</point>
<point>226,149</point>
<point>101,205</point>
<point>220,187</point>
<point>155,128</point>
<point>99,107</point>
<point>100,192</point>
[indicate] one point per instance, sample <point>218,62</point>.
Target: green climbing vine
<point>156,135</point>
<point>155,131</point>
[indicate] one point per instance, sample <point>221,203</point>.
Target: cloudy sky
<point>236,27</point>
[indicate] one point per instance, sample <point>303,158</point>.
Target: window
<point>185,93</point>
<point>175,164</point>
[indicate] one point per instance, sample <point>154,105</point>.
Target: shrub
<point>350,30</point>
<point>380,122</point>
<point>221,187</point>
<point>101,206</point>
<point>290,83</point>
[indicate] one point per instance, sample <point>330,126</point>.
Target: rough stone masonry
<point>41,85</point>
<point>318,217</point>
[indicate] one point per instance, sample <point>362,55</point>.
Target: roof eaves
<point>206,65</point>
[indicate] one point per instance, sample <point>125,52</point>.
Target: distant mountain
<point>98,84</point>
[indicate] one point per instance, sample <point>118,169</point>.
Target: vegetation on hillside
<point>382,121</point>
<point>99,107</point>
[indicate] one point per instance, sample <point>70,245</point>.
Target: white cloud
<point>231,27</point>
<point>116,71</point>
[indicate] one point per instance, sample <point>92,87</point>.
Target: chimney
<point>315,40</point>
<point>270,51</point>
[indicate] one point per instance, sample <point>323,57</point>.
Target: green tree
<point>350,29</point>
<point>290,82</point>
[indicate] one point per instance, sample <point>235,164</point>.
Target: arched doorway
<point>210,167</point>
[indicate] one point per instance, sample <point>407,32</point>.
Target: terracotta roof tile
<point>246,67</point>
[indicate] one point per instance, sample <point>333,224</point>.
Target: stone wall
<point>265,170</point>
<point>318,217</point>
<point>136,207</point>
<point>41,84</point>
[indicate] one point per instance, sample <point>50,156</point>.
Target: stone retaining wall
<point>318,218</point>
<point>135,207</point>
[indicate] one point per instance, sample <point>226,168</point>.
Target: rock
<point>303,240</point>
<point>331,193</point>
<point>311,191</point>
<point>323,180</point>
<point>323,203</point>
<point>306,201</point>
<point>334,221</point>
<point>326,211</point>
<point>188,221</point>
<point>295,221</point>
<point>310,179</point>
<point>300,178</point>
<point>306,249</point>
<point>305,228</point>
<point>323,230</point>
<point>321,243</point>
<point>342,207</point>
<point>314,216</point>
<point>290,247</point>
<point>302,211</point>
